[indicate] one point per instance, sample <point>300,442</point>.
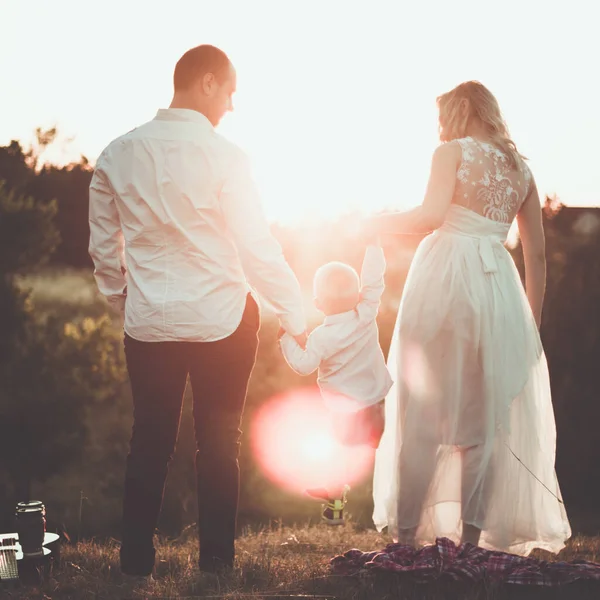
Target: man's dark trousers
<point>219,372</point>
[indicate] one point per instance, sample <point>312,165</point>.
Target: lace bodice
<point>488,184</point>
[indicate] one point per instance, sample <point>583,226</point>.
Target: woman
<point>469,447</point>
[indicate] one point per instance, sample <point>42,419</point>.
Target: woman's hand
<point>370,230</point>
<point>438,197</point>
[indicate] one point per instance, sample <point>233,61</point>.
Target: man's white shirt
<point>176,218</point>
<point>345,348</point>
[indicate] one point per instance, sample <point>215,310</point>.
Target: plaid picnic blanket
<point>464,563</point>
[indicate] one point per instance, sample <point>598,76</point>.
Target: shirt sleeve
<point>260,254</point>
<point>106,240</point>
<point>372,282</point>
<point>304,362</point>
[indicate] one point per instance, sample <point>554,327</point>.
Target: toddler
<point>352,374</point>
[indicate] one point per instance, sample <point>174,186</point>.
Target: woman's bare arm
<point>531,231</point>
<point>440,190</point>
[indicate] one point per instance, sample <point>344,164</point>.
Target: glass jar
<point>31,527</point>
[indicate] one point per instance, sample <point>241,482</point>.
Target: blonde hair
<point>336,281</point>
<point>472,99</point>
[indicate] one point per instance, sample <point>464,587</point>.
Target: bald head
<point>198,62</point>
<point>204,81</point>
<point>336,287</point>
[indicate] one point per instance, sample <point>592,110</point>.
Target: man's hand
<point>117,303</point>
<point>301,340</point>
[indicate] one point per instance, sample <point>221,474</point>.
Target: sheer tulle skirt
<point>470,433</point>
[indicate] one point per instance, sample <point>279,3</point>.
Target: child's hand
<point>370,232</point>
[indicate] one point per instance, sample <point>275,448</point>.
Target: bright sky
<point>336,98</point>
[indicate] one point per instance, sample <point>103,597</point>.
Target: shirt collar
<point>182,114</point>
<point>339,317</point>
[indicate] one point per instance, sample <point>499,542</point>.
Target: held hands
<point>300,339</point>
<point>370,231</point>
<point>370,228</point>
<point>362,229</point>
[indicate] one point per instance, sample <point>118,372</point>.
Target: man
<point>177,236</point>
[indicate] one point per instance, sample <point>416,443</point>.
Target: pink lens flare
<point>293,440</point>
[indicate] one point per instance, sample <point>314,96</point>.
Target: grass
<point>276,562</point>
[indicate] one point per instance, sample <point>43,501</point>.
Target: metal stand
<point>14,566</point>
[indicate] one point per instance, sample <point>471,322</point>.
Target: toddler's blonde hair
<point>336,281</point>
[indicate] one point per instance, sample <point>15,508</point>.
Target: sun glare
<point>330,124</point>
<point>293,441</point>
<point>318,447</point>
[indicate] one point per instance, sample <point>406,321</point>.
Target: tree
<point>27,238</point>
<point>14,167</point>
<point>571,336</point>
<point>25,172</point>
<point>50,370</point>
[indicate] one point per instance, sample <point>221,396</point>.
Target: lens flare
<point>318,447</point>
<point>292,438</point>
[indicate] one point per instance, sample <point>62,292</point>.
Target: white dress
<point>470,432</point>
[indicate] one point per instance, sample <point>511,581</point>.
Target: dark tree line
<point>51,367</point>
